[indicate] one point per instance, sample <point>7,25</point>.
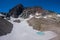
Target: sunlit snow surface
<point>1,14</point>
<point>22,31</point>
<point>58,15</point>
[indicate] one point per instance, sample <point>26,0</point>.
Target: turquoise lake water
<point>40,33</point>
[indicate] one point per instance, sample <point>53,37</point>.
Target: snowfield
<point>22,31</point>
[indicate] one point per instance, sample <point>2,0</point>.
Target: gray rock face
<point>5,27</point>
<point>16,11</point>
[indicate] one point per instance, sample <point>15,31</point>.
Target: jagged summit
<point>16,11</point>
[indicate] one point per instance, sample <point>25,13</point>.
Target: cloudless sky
<point>53,5</point>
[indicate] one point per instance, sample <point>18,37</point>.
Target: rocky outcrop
<point>42,23</point>
<point>5,27</point>
<point>31,10</point>
<point>16,11</point>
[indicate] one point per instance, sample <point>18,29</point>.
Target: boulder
<point>17,21</point>
<point>5,27</point>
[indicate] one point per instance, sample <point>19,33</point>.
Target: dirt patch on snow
<point>42,24</point>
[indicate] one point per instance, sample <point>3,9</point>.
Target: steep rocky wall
<point>5,27</point>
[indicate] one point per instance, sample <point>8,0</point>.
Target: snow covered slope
<point>22,31</point>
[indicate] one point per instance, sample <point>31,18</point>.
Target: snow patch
<point>45,17</point>
<point>58,15</point>
<point>30,16</point>
<point>22,31</point>
<point>1,14</point>
<point>37,16</point>
<point>38,13</point>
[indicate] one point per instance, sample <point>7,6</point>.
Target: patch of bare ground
<point>42,24</point>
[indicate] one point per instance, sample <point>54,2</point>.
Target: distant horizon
<point>53,5</point>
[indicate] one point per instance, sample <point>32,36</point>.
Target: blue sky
<point>53,5</point>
